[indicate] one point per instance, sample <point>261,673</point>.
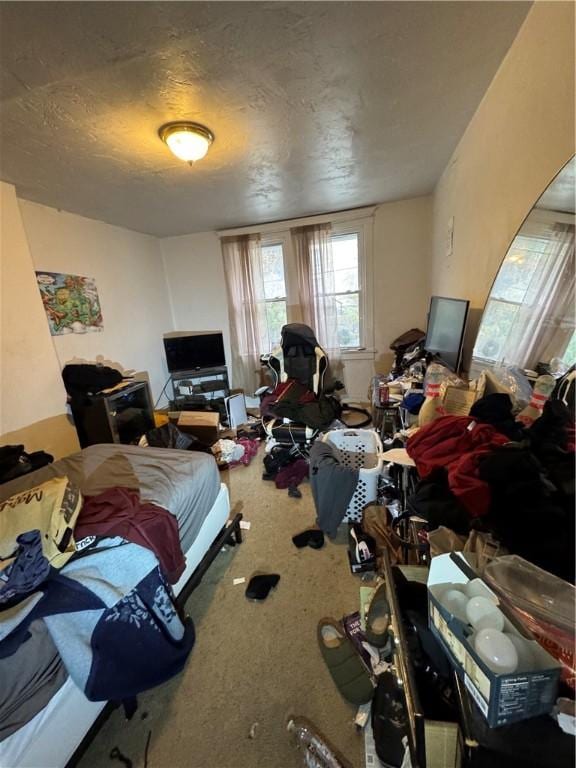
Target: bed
<point>185,483</point>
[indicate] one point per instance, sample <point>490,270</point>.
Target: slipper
<point>378,619</point>
<point>312,538</point>
<point>259,586</point>
<point>348,672</point>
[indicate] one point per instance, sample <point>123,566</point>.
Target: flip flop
<point>349,674</point>
<point>378,619</point>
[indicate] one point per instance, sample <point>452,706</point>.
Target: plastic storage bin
<point>359,449</point>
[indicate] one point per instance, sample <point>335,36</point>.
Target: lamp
<point>188,141</point>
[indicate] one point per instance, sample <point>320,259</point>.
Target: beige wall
<point>519,138</point>
<point>132,288</point>
<point>129,275</point>
<point>32,396</point>
<point>195,275</point>
<point>402,254</point>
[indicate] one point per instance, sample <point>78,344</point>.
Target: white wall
<point>519,138</point>
<point>132,288</point>
<point>129,275</point>
<point>195,275</point>
<point>31,388</point>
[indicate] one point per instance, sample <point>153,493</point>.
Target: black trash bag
<point>14,461</point>
<point>389,721</point>
<point>280,456</point>
<point>169,436</point>
<point>87,379</point>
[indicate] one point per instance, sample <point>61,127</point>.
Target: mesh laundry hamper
<point>358,449</point>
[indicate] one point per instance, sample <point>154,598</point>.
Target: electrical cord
<point>163,391</point>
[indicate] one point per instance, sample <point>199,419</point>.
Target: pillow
<point>51,508</point>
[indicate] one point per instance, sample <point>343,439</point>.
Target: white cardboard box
<point>502,699</point>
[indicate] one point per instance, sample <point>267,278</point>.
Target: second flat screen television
<point>445,332</point>
<point>194,351</point>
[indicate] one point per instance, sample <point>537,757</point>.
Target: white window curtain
<point>315,269</point>
<point>245,287</point>
<point>546,316</point>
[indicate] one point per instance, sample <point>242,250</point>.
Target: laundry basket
<point>358,449</point>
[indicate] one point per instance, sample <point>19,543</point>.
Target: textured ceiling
<point>316,106</point>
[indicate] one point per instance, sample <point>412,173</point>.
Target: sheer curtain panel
<point>245,288</point>
<point>315,269</point>
<point>546,314</point>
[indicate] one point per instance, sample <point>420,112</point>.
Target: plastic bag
<point>542,602</point>
<point>509,379</point>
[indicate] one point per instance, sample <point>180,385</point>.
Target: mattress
<point>52,736</point>
<point>184,482</point>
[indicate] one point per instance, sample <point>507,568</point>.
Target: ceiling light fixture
<point>188,141</point>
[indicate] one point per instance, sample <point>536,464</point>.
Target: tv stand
<point>196,389</point>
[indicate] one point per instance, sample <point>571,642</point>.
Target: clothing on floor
<point>112,618</point>
<point>333,486</point>
<point>250,450</point>
<point>292,475</point>
<point>120,512</point>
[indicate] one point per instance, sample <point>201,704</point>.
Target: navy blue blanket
<point>113,619</point>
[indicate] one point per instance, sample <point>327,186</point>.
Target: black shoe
<point>312,538</point>
<point>294,492</point>
<point>259,586</point>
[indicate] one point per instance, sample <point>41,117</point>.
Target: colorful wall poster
<point>71,303</point>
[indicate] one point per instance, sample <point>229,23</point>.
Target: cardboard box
<point>502,699</point>
<point>202,424</point>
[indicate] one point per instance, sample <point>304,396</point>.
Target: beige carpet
<point>252,662</point>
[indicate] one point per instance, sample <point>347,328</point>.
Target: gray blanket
<point>183,482</point>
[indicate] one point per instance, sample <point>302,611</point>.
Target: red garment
<point>457,443</point>
<point>292,474</point>
<point>250,450</point>
<point>119,512</point>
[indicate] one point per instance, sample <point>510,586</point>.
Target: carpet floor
<point>254,664</point>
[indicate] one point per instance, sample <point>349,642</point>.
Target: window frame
<point>363,228</point>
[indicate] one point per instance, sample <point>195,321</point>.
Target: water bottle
<point>317,753</point>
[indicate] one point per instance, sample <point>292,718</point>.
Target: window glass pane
<point>271,320</point>
<point>569,356</point>
<point>347,308</point>
<point>518,269</point>
<point>496,324</point>
<point>345,261</point>
<point>273,271</point>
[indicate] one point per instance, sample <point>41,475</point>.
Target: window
<point>528,317</point>
<point>508,294</point>
<point>274,315</point>
<point>345,284</point>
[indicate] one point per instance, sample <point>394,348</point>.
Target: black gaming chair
<point>301,358</point>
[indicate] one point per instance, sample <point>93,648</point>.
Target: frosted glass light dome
<point>188,141</point>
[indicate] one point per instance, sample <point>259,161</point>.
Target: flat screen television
<point>445,331</point>
<point>194,351</point>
